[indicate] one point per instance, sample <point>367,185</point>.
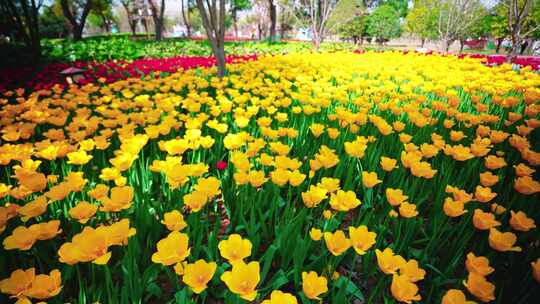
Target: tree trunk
<point>133,26</point>
<point>516,18</point>
<point>131,21</point>
<point>213,19</point>
<point>220,57</point>
<point>157,15</point>
<point>422,42</point>
<point>77,32</point>
<point>145,25</point>
<point>106,23</point>
<point>498,46</point>
<point>525,46</point>
<point>516,45</point>
<point>77,27</point>
<point>272,10</point>
<point>234,17</point>
<point>461,45</point>
<point>530,47</point>
<point>316,40</point>
<point>35,37</point>
<point>185,16</point>
<point>446,43</point>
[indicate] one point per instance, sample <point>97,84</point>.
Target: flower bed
<point>297,178</point>
<point>108,71</point>
<point>525,61</point>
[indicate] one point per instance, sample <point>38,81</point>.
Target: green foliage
<point>240,5</point>
<point>355,29</point>
<point>52,23</point>
<point>101,15</point>
<point>344,12</point>
<point>384,23</point>
<point>120,47</point>
<point>422,20</point>
<point>401,6</point>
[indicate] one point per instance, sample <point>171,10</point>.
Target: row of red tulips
<point>108,72</point>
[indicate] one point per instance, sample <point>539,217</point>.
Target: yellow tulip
<point>536,269</point>
<point>395,196</point>
<point>78,157</point>
<point>198,274</point>
<point>121,199</point>
<point>455,296</point>
<point>21,238</point>
<point>315,234</point>
<point>242,279</point>
<point>407,210</point>
<point>235,249</point>
<point>45,286</point>
<point>479,287</point>
<point>279,297</point>
<point>337,243</point>
<point>313,196</point>
<point>520,222</point>
<point>330,184</point>
<point>172,249</point>
<point>412,271</point>
<point>369,179</point>
<point>502,241</point>
<point>195,200</point>
<point>526,185</point>
<point>388,262</point>
<point>404,290</point>
<point>484,220</point>
<point>83,211</point>
<point>18,282</point>
<point>313,285</point>
<point>388,164</point>
<point>174,221</point>
<point>479,265</point>
<point>361,239</point>
<point>344,200</point>
<point>453,208</point>
<point>484,194</point>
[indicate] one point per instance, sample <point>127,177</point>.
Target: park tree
<point>421,20</point>
<point>186,6</point>
<point>272,11</point>
<point>316,13</point>
<point>76,12</point>
<point>102,15</point>
<point>52,23</point>
<point>287,18</point>
<point>456,17</point>
<point>523,23</point>
<point>344,12</point>
<point>384,24</point>
<point>129,7</point>
<point>498,25</point>
<point>401,6</point>
<point>213,19</point>
<point>22,17</point>
<point>355,29</point>
<point>237,6</point>
<point>158,16</point>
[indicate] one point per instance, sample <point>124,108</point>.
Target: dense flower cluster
<point>329,177</point>
<point>105,72</point>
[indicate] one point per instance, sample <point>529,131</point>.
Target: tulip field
<point>380,177</point>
